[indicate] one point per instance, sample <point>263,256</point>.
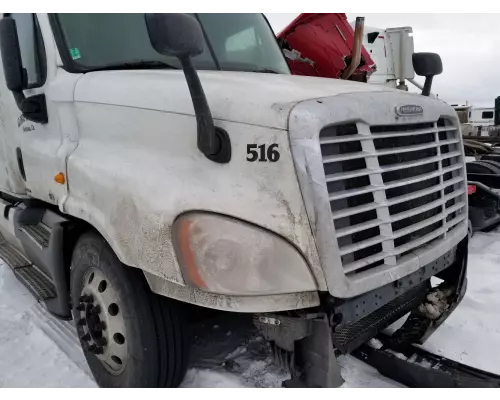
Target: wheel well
<point>73,229</point>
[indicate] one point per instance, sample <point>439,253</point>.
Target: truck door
<point>37,144</point>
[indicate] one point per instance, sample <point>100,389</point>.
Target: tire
<point>493,163</point>
<point>483,167</point>
<point>153,346</point>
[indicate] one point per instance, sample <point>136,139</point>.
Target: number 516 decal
<point>272,154</point>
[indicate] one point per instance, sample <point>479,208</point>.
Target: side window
<point>32,49</point>
<point>487,115</point>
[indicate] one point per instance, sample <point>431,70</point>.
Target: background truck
<point>154,161</point>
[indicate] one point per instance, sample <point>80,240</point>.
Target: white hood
<point>250,98</point>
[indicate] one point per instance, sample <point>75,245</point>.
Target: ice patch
<point>375,343</point>
<point>196,378</point>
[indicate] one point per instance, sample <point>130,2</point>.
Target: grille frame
<point>305,124</point>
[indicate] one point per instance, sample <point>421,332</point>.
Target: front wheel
<point>130,336</point>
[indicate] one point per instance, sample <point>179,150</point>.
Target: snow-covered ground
<point>37,350</point>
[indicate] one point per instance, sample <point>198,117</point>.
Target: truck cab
<point>148,161</point>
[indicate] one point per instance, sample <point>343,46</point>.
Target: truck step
<point>12,256</point>
<point>417,368</point>
<point>39,233</point>
<point>36,281</point>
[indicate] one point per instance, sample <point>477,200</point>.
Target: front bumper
<point>341,325</point>
<point>358,319</point>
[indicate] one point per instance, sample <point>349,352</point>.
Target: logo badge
<point>409,110</point>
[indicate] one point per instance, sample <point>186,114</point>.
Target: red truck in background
<point>325,45</point>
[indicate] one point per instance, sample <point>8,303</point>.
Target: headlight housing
<point>223,255</point>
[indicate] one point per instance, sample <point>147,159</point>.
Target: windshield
<point>234,42</point>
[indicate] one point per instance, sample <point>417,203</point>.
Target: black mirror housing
<point>427,64</point>
<point>33,108</point>
<point>177,35</point>
<point>11,55</point>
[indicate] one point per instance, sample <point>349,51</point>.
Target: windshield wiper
<point>266,71</point>
<point>138,65</point>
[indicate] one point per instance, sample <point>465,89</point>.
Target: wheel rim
<point>100,321</point>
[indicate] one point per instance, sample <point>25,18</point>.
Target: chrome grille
<point>392,189</point>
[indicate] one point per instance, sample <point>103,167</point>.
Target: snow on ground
<point>37,350</point>
<point>471,335</point>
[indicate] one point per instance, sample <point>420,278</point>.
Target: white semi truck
<point>148,161</point>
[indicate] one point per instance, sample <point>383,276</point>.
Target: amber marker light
<point>187,255</point>
<point>59,178</point>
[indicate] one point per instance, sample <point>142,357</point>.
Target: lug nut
<point>96,310</point>
<point>92,348</point>
<point>102,341</point>
<point>85,338</point>
<point>80,307</point>
<point>100,326</point>
<point>82,298</point>
<point>82,321</point>
<point>98,350</point>
<point>89,299</point>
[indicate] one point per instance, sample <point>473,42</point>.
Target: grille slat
<point>405,149</point>
<point>354,138</point>
<point>363,226</point>
<point>392,189</point>
<point>358,228</point>
<point>355,210</point>
<point>369,189</point>
<point>426,222</point>
<point>357,265</point>
<point>402,232</point>
<point>362,245</point>
<point>420,178</point>
<point>425,207</point>
<point>397,167</point>
<point>353,192</point>
<point>422,193</point>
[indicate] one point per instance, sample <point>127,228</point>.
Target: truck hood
<point>249,98</point>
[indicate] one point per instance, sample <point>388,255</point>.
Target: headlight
<point>223,255</point>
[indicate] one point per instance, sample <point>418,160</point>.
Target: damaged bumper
<point>313,338</point>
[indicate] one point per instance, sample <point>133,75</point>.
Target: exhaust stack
<point>356,48</point>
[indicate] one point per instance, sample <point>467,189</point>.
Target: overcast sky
<point>469,45</point>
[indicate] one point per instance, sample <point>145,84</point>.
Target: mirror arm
<point>426,91</point>
<point>212,141</point>
<point>207,140</point>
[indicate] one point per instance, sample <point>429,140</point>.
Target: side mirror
<point>181,36</point>
<point>11,55</point>
<point>33,108</point>
<point>428,65</point>
<point>177,35</point>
